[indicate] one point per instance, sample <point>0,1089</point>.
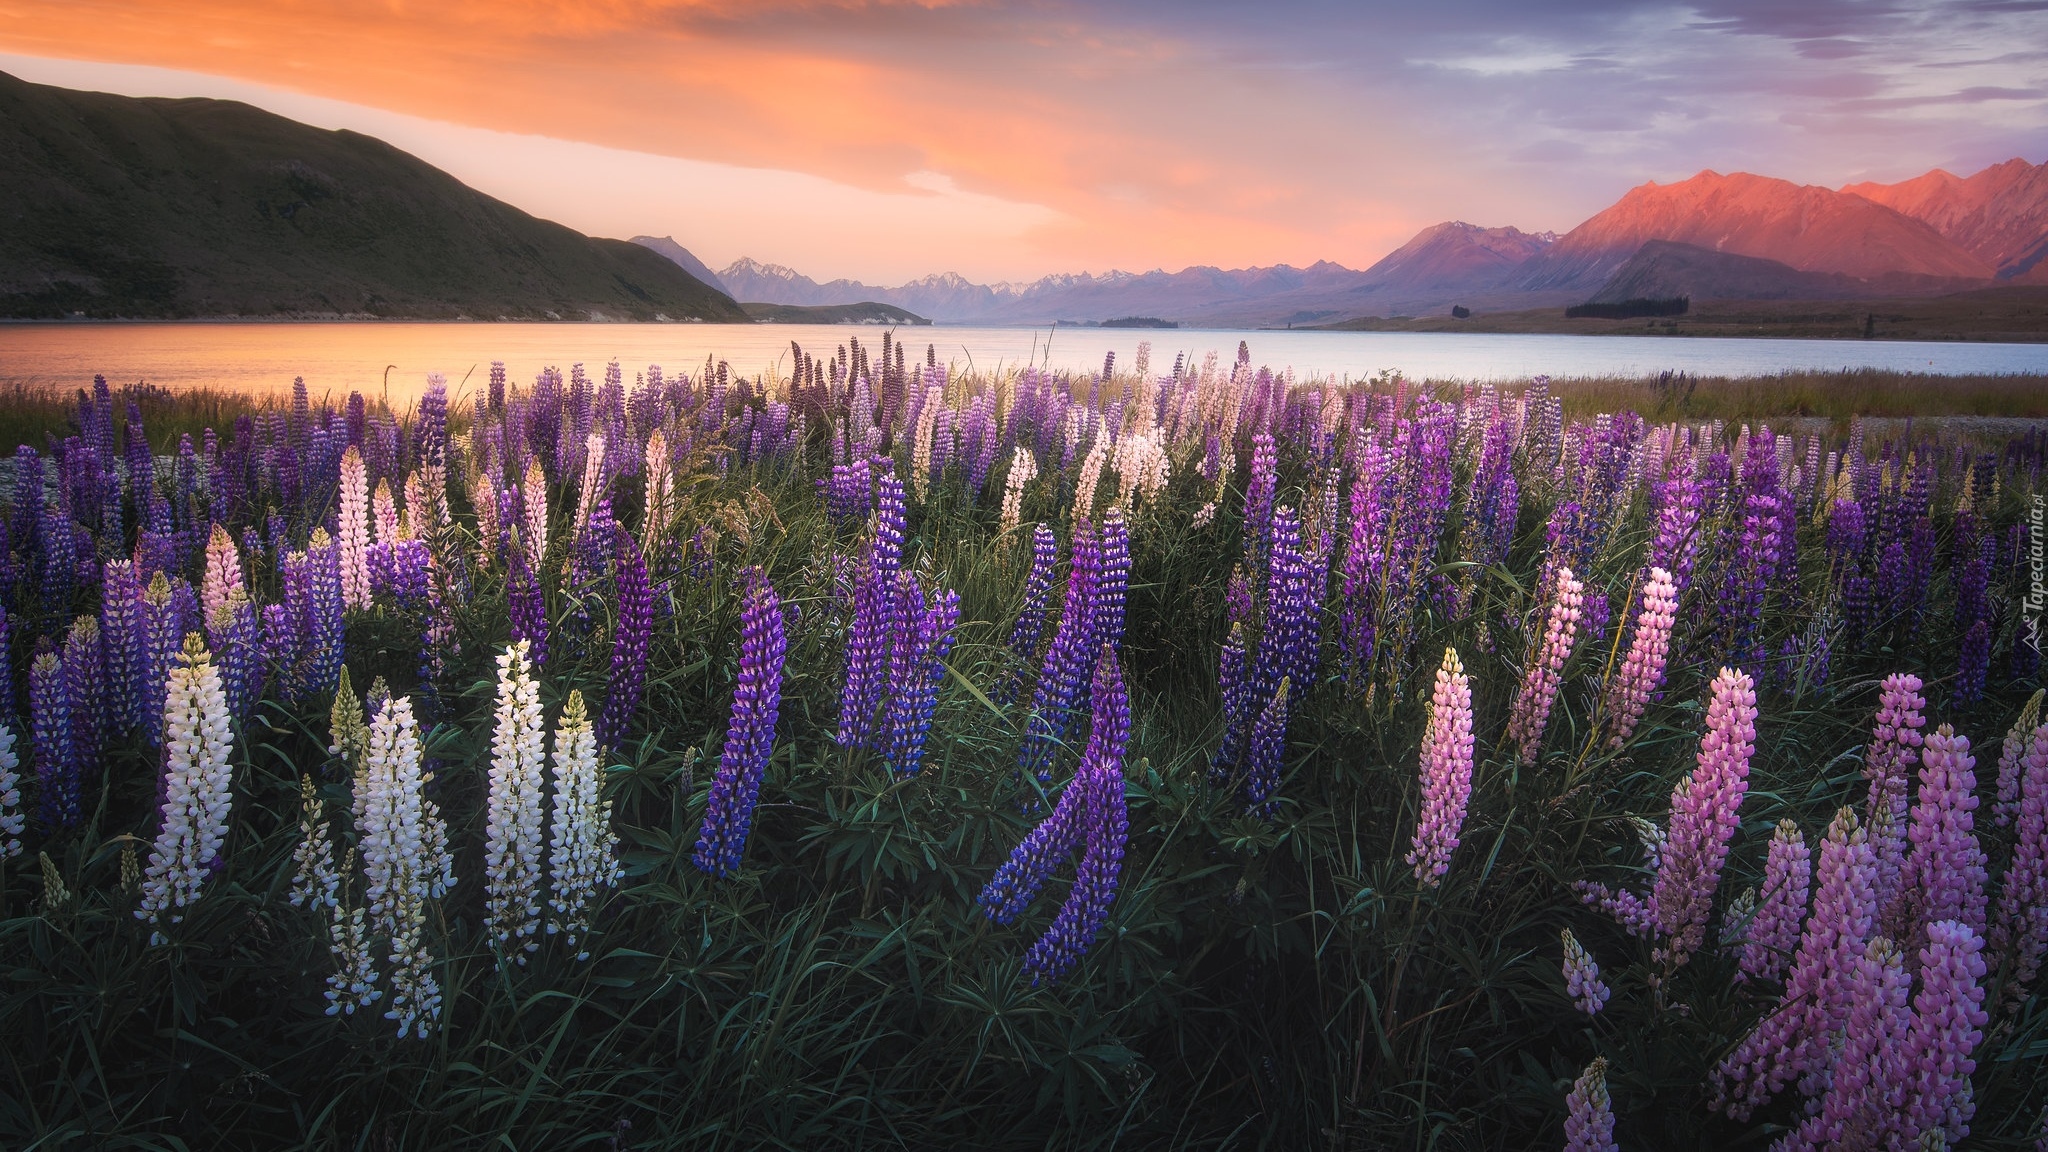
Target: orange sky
<point>1042,137</point>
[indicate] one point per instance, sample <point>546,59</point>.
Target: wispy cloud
<point>1143,133</point>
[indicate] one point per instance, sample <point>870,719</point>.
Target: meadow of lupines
<point>879,754</point>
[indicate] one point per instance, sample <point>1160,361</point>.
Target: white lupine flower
<point>222,577</point>
<point>196,795</point>
<point>512,845</point>
<point>660,492</point>
<point>593,479</point>
<point>397,834</point>
<point>1023,468</point>
<point>1084,488</point>
<point>584,852</point>
<point>315,881</point>
<point>353,983</point>
<point>355,530</point>
<point>11,819</point>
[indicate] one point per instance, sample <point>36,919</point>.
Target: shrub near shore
<point>880,755</point>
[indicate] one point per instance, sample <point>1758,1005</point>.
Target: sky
<point>887,140</point>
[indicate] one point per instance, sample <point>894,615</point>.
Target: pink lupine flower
<point>1642,670</point>
<point>1888,764</point>
<point>355,529</point>
<point>1794,1040</point>
<point>1948,1021</point>
<point>1944,878</point>
<point>2010,754</point>
<point>2020,930</point>
<point>1703,819</point>
<point>1545,673</point>
<point>1863,1096</point>
<point>222,577</point>
<point>1446,772</point>
<point>1774,931</point>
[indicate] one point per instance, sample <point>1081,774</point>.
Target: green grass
<point>1260,985</point>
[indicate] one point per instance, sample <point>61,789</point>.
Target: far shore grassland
<point>33,416</point>
<point>2007,314</point>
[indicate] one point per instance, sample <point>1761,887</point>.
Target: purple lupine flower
<point>1290,643</point>
<point>1030,628</point>
<point>236,635</point>
<point>85,688</point>
<point>1945,876</point>
<point>1105,828</point>
<point>915,670</point>
<point>1642,671</point>
<point>170,610</point>
<point>1675,547</point>
<point>1589,1118</point>
<point>527,606</point>
<point>1364,557</point>
<point>1774,931</point>
<point>1258,494</point>
<point>1062,676</point>
<point>2019,933</point>
<point>1948,1022</point>
<point>1446,772</point>
<point>1888,764</point>
<point>1793,1041</point>
<point>323,608</point>
<point>126,647</point>
<point>890,512</point>
<point>26,529</point>
<point>1973,662</point>
<point>1545,674</point>
<point>629,641</point>
<point>1267,753</point>
<point>430,431</point>
<point>1112,582</point>
<point>1233,680</point>
<point>2011,755</point>
<point>1582,976</point>
<point>58,772</point>
<point>867,637</point>
<point>1863,1095</point>
<point>1704,818</point>
<point>750,734</point>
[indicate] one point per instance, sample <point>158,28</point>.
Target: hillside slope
<point>1809,228</point>
<point>121,207</point>
<point>2001,213</point>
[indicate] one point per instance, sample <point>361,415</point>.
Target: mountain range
<point>112,206</point>
<point>1737,236</point>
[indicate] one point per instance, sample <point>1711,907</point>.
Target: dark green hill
<point>867,312</point>
<point>119,207</point>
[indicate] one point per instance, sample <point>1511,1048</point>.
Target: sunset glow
<point>885,141</point>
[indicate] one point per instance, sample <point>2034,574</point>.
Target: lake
<point>338,358</point>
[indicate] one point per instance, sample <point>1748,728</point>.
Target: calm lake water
<point>338,358</point>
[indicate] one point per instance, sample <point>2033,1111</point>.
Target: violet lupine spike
<point>914,689</point>
<point>1948,1023</point>
<point>1973,662</point>
<point>1888,763</point>
<point>1793,1042</point>
<point>324,603</point>
<point>2019,932</point>
<point>60,788</point>
<point>629,641</point>
<point>1642,670</point>
<point>1944,877</point>
<point>1267,754</point>
<point>1064,672</point>
<point>1290,641</point>
<point>1017,882</point>
<point>1582,976</point>
<point>1589,1118</point>
<point>235,633</point>
<point>527,606</point>
<point>1446,772</point>
<point>1112,582</point>
<point>750,733</point>
<point>1545,674</point>
<point>1860,1108</point>
<point>85,686</point>
<point>1233,680</point>
<point>1627,908</point>
<point>1773,932</point>
<point>169,612</point>
<point>867,647</point>
<point>1030,627</point>
<point>1258,494</point>
<point>1106,828</point>
<point>126,648</point>
<point>1704,816</point>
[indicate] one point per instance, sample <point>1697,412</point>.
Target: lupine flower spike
<point>1545,674</point>
<point>750,735</point>
<point>1589,1119</point>
<point>1704,818</point>
<point>1642,670</point>
<point>1446,772</point>
<point>583,849</point>
<point>512,828</point>
<point>1582,976</point>
<point>196,777</point>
